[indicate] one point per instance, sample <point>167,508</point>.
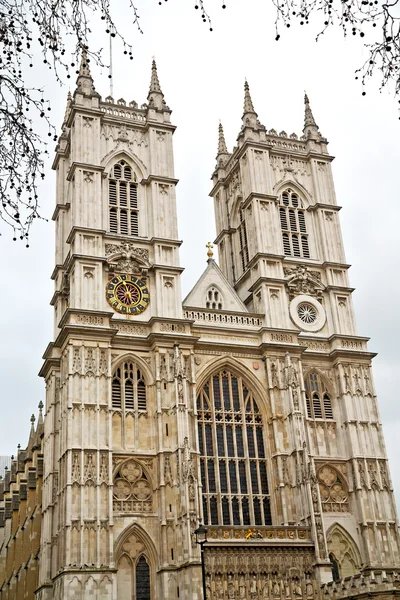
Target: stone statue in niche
<point>231,588</point>
<point>242,587</point>
<point>219,587</point>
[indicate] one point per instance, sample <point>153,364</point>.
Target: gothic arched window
<point>214,298</point>
<point>293,225</point>
<point>244,248</point>
<point>133,577</point>
<point>123,200</point>
<point>128,389</point>
<point>234,471</point>
<point>318,399</point>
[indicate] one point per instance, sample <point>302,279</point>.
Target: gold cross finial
<point>210,252</point>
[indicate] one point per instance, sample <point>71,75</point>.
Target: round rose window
<point>307,313</point>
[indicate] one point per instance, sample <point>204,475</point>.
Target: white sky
<point>202,76</point>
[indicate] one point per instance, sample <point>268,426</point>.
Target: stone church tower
<point>249,408</point>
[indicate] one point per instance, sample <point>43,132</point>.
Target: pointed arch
<point>318,393</point>
<point>144,367</point>
<point>233,448</point>
<point>280,186</point>
<point>117,154</point>
<point>231,363</point>
<point>344,551</point>
<point>333,488</point>
<point>134,541</point>
<point>215,301</point>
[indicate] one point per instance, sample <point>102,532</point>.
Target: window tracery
<point>134,571</point>
<point>318,399</point>
<point>214,299</point>
<point>128,389</point>
<point>132,491</point>
<point>343,553</point>
<point>234,469</point>
<point>123,200</point>
<point>333,490</point>
<point>293,225</point>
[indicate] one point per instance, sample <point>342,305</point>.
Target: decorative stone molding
<point>307,313</point>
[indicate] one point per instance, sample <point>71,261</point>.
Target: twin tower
<point>249,407</point>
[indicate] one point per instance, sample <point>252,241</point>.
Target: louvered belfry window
<point>123,201</point>
<point>318,399</point>
<point>128,389</point>
<point>244,248</point>
<point>293,224</point>
<point>234,466</point>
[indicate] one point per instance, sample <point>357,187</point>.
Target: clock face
<point>127,294</point>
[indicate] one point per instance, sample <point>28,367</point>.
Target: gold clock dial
<point>127,294</point>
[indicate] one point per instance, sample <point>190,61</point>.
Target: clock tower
<point>119,501</point>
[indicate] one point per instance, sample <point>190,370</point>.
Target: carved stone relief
<point>300,280</point>
<point>259,573</point>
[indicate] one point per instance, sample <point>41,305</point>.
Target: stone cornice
<point>172,268</point>
<point>76,228</point>
<point>223,233</point>
<point>83,166</point>
<point>339,288</point>
<point>59,208</point>
<point>160,178</point>
<point>257,196</point>
<point>157,125</point>
<point>324,206</point>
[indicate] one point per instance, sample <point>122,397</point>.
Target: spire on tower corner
<point>155,96</point>
<point>222,149</point>
<point>84,69</point>
<point>155,87</point>
<point>248,103</point>
<point>84,82</point>
<point>310,129</point>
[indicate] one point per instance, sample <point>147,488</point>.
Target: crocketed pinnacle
<point>67,107</point>
<point>309,120</point>
<point>248,103</point>
<point>222,149</point>
<point>84,70</point>
<point>84,82</point>
<point>155,87</point>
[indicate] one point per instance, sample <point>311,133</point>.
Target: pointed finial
<point>248,103</point>
<point>84,82</point>
<point>33,419</point>
<point>84,70</point>
<point>222,149</point>
<point>210,252</point>
<point>40,419</point>
<point>308,116</point>
<point>155,87</point>
<point>310,129</point>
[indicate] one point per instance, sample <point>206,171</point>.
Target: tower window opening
<point>293,225</point>
<point>318,399</point>
<point>128,389</point>
<point>123,201</point>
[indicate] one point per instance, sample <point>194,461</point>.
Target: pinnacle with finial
<point>309,120</point>
<point>155,87</point>
<point>210,252</point>
<point>222,149</point>
<point>84,70</point>
<point>248,103</point>
<point>33,419</point>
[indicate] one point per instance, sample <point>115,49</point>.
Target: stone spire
<point>40,426</point>
<point>222,149</point>
<point>84,82</point>
<point>155,96</point>
<point>310,127</point>
<point>249,117</point>
<point>32,436</point>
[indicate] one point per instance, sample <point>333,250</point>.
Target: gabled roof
<point>213,277</point>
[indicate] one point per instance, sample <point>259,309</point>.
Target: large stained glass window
<point>234,468</point>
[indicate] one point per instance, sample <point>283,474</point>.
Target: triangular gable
<point>213,277</point>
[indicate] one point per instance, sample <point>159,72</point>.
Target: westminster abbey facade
<point>249,407</point>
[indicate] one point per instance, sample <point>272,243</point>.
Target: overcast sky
<point>202,76</point>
